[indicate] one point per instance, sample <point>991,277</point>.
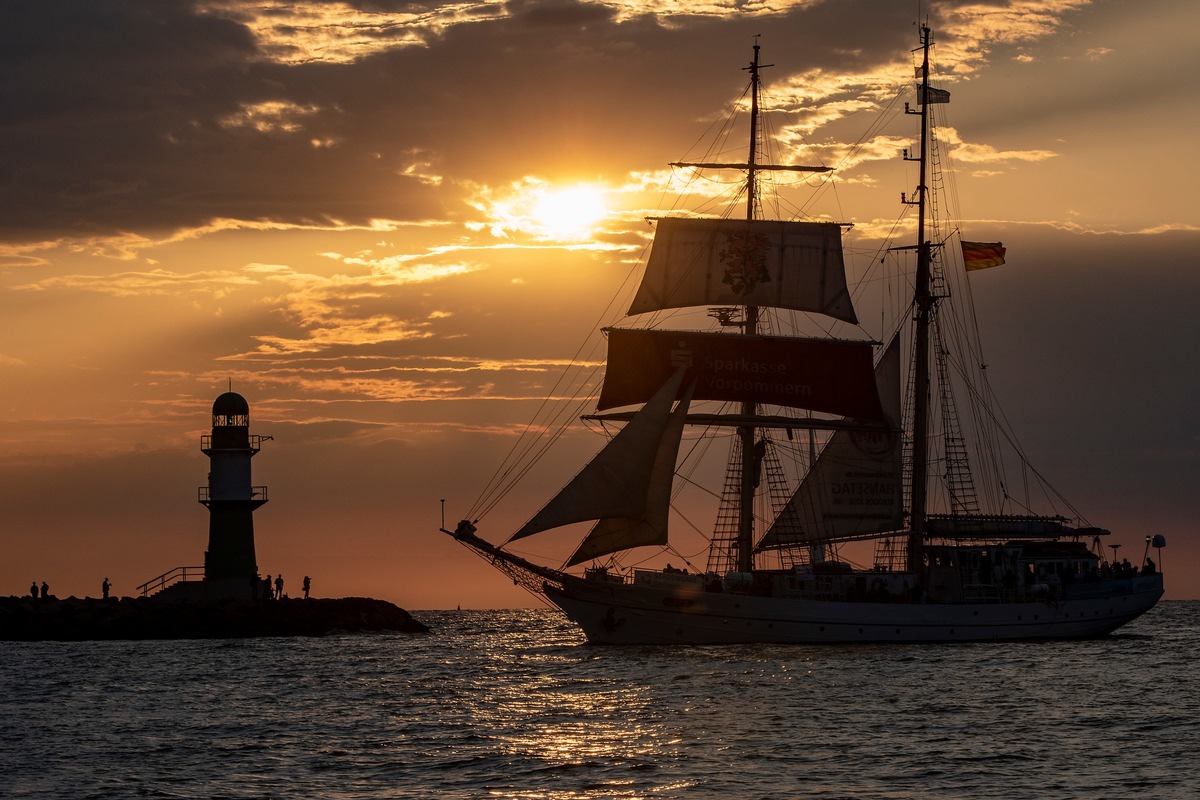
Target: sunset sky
<point>389,225</point>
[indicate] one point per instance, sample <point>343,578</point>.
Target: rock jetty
<point>29,619</point>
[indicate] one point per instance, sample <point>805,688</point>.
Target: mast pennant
<point>722,262</point>
<point>825,375</point>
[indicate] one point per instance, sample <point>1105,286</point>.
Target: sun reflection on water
<point>514,705</point>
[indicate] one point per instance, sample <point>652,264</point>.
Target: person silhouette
<point>33,589</point>
<point>307,586</point>
<point>104,587</point>
<point>279,587</point>
<point>45,589</point>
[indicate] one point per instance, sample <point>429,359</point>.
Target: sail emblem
<point>745,257</point>
<point>682,355</point>
<point>873,443</point>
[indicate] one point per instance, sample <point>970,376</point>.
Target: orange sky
<point>344,210</point>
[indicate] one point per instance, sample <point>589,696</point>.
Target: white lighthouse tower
<point>231,496</point>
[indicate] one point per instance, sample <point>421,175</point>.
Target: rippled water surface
<point>512,704</point>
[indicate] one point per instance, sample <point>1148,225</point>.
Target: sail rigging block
<point>614,483</point>
<point>856,484</point>
<point>829,376</point>
<point>701,262</point>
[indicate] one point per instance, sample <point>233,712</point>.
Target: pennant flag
<point>933,96</point>
<point>981,255</point>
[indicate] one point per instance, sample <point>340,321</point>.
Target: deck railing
<point>255,442</point>
<point>257,493</point>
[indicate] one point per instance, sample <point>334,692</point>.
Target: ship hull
<point>625,614</point>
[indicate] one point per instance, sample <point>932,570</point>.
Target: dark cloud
<point>557,14</point>
<point>1081,335</point>
<point>116,119</point>
<point>91,93</point>
<point>150,117</point>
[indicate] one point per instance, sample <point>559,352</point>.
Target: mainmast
<point>923,303</point>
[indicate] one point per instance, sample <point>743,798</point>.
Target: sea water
<point>513,704</point>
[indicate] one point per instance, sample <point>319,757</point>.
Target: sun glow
<point>536,209</point>
<point>572,212</point>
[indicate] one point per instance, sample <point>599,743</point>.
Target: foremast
<point>746,434</point>
<point>736,267</point>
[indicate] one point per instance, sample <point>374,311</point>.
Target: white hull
<point>627,614</point>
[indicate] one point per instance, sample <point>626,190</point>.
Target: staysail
<point>614,484</point>
<point>829,376</point>
<point>613,534</point>
<point>855,485</point>
<point>715,262</point>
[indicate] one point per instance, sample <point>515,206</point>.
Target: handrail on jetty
<point>176,575</point>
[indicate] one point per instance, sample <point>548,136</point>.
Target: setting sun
<point>568,213</point>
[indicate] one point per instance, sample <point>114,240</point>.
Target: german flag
<point>981,255</point>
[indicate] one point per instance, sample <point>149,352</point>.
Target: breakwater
<point>50,619</point>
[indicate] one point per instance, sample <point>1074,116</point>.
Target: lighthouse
<point>231,496</point>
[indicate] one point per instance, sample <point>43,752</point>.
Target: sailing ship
<point>877,456</point>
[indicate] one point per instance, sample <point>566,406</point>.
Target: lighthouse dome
<point>231,410</point>
<point>230,404</point>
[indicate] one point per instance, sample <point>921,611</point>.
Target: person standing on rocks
<point>104,587</point>
<point>307,585</point>
<point>45,590</point>
<point>279,587</point>
<point>33,589</point>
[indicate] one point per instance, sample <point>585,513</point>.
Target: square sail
<point>713,262</point>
